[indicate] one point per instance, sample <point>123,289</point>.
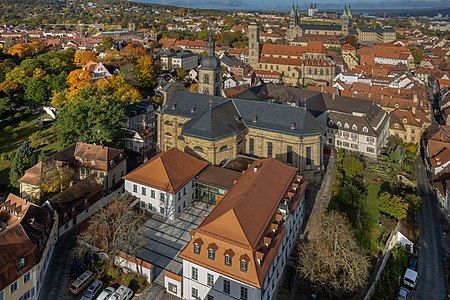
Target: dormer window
<point>211,254</point>
<point>405,120</point>
<point>174,106</point>
<point>293,125</point>
<point>111,162</point>
<point>365,129</point>
<point>93,162</point>
<point>346,126</point>
<point>228,260</point>
<point>196,248</point>
<point>339,124</point>
<point>243,266</point>
<point>354,127</point>
<point>20,263</point>
<point>193,109</point>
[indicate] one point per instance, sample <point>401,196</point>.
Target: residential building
<point>109,164</point>
<point>77,203</point>
<point>140,127</point>
<point>218,129</point>
<point>165,184</point>
<point>28,237</point>
<point>97,70</point>
<point>239,251</point>
<point>408,125</point>
<point>353,124</point>
<point>367,35</point>
<point>172,61</point>
<point>438,150</point>
<point>386,54</point>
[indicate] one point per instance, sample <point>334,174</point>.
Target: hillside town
<point>158,152</point>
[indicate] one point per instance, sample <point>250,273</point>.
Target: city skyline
<point>285,5</point>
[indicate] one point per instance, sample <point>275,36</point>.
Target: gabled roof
<point>191,105</point>
<point>168,171</point>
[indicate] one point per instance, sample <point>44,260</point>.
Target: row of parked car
<point>409,280</point>
<point>94,289</point>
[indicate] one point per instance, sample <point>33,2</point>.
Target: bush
<point>34,139</point>
<point>113,273</point>
<point>14,136</point>
<point>4,156</point>
<point>18,116</point>
<point>11,155</point>
<point>23,123</point>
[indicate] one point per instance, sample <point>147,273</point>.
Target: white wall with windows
<point>162,202</point>
<point>202,283</point>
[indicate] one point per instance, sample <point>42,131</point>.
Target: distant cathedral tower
<point>253,44</point>
<point>346,20</point>
<point>210,72</point>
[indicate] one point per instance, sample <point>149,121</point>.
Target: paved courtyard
<point>166,238</point>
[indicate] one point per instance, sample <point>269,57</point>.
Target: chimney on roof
<point>415,98</point>
<point>333,96</point>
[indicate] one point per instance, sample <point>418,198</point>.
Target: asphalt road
<point>431,281</point>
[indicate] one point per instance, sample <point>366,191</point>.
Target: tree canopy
<point>393,205</point>
<point>23,160</point>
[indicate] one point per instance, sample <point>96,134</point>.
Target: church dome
<point>210,62</point>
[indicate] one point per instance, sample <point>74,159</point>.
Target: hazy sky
<point>284,5</point>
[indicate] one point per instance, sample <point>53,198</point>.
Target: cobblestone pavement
<point>57,279</point>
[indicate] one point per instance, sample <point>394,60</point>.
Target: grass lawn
<point>11,137</point>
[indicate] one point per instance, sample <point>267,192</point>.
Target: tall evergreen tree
<point>24,159</point>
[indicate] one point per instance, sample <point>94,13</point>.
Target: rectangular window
<point>354,136</point>
<point>150,207</point>
<point>162,196</point>
<point>152,194</point>
<point>226,286</point>
<point>346,144</point>
<point>354,146</point>
<point>2,295</point>
<point>345,134</point>
<point>144,191</point>
<point>289,155</point>
<point>172,288</point>
<point>370,139</point>
<point>370,150</point>
<point>134,188</point>
<point>26,277</point>
<point>308,156</point>
<point>243,266</point>
<point>269,149</point>
<point>244,293</point>
<point>162,210</point>
<point>228,260</point>
<point>194,293</point>
<point>14,287</point>
<point>211,254</point>
<point>196,248</point>
<point>194,274</point>
<point>251,146</point>
<point>210,280</point>
<point>184,191</point>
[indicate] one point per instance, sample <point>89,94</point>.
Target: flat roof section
<point>218,177</point>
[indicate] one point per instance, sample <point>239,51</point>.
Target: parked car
<point>403,294</point>
<point>92,290</point>
<point>81,282</point>
<point>80,265</point>
<point>328,150</point>
<point>410,278</point>
<point>104,295</point>
<point>412,264</point>
<point>122,293</point>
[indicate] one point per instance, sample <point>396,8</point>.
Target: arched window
<point>205,91</point>
<point>181,138</point>
<point>223,148</point>
<point>167,134</point>
<point>315,71</point>
<point>198,149</point>
<point>321,71</point>
<point>206,77</point>
<point>168,123</point>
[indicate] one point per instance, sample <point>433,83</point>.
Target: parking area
<point>166,238</point>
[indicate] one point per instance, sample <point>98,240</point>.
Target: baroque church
<point>296,29</point>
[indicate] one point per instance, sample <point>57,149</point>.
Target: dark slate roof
<point>320,27</point>
<point>232,62</point>
<point>221,121</point>
<point>377,29</point>
<point>141,107</point>
<point>183,103</point>
<point>348,110</point>
<point>278,118</point>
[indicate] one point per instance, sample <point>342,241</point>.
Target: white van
<point>104,295</point>
<point>122,293</point>
<point>410,278</point>
<point>81,282</point>
<point>92,290</point>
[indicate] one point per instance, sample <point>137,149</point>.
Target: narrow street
<point>431,281</point>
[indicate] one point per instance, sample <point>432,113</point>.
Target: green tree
<point>23,160</point>
<point>392,205</point>
<point>94,117</point>
<point>418,55</point>
<point>181,72</point>
<point>353,168</point>
<point>36,92</point>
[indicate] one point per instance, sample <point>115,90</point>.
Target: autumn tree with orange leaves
<point>83,57</point>
<point>78,78</point>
